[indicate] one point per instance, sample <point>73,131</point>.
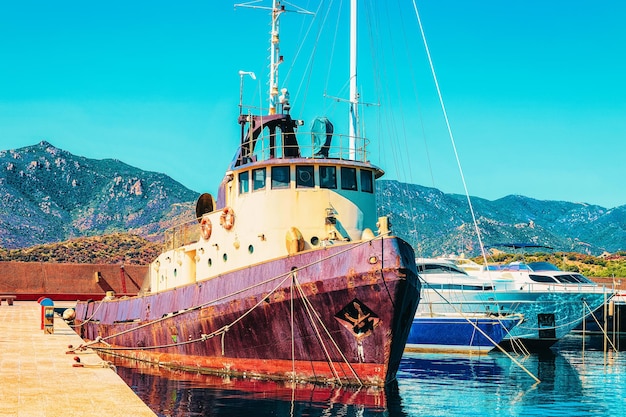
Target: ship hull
<point>338,315</point>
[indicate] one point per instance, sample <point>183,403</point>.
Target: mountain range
<point>436,223</point>
<point>51,195</point>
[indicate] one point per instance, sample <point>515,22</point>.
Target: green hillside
<point>117,248</point>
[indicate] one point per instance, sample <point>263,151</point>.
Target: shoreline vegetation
<point>603,266</point>
<point>129,249</point>
<point>116,248</point>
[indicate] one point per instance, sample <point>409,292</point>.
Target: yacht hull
<point>548,315</point>
<point>458,333</point>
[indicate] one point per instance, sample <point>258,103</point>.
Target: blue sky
<point>535,91</point>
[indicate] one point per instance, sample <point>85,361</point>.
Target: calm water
<point>572,384</point>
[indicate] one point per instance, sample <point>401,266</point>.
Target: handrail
<point>339,147</point>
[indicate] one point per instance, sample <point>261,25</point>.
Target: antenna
<point>275,58</point>
<point>241,74</point>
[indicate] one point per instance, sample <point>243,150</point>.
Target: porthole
<point>210,262</point>
<point>175,272</point>
<point>315,241</point>
<point>250,249</point>
<point>225,257</point>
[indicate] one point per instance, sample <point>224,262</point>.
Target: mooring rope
<point>222,330</point>
<point>329,360</point>
<point>74,326</point>
<point>605,335</point>
<point>309,307</point>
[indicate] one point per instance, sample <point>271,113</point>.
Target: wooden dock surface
<point>38,377</point>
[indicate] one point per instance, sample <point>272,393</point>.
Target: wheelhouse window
<point>367,181</point>
<point>348,178</point>
<point>258,179</point>
<point>328,177</point>
<point>305,176</point>
<point>280,177</point>
<point>244,182</point>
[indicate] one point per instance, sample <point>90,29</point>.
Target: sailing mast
<point>275,58</point>
<point>354,95</point>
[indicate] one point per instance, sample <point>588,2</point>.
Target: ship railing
<point>181,234</point>
<point>569,287</point>
<point>340,147</point>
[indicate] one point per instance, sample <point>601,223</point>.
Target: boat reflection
<point>171,392</point>
<point>425,382</point>
<point>487,382</point>
<point>438,366</point>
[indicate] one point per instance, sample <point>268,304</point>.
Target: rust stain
<point>207,311</point>
<point>279,296</point>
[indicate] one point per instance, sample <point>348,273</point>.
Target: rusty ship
<point>287,275</point>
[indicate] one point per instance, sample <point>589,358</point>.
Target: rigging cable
<point>445,116</point>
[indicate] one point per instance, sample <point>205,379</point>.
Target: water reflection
<point>572,383</point>
<point>178,393</point>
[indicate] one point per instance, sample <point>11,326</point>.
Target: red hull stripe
<point>306,371</point>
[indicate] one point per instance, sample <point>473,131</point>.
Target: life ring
<point>227,218</point>
<point>206,227</point>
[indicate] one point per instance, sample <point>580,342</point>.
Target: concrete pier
<point>37,376</point>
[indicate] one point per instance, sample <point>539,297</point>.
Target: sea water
<point>576,378</point>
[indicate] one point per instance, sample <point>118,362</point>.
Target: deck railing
<point>181,234</point>
<point>339,148</point>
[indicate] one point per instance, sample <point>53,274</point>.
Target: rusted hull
<point>342,317</point>
<point>139,373</point>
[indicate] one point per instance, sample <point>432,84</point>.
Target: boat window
<point>280,177</point>
<point>583,279</point>
<point>458,287</point>
<point>439,269</point>
<point>258,179</point>
<point>566,279</point>
<point>244,182</point>
<point>542,278</point>
<point>574,278</point>
<point>367,182</point>
<point>516,266</point>
<point>304,176</point>
<point>328,177</point>
<point>348,178</point>
<point>542,266</point>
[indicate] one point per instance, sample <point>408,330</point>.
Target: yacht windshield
<point>542,266</point>
<point>439,269</point>
<point>574,278</point>
<point>542,278</point>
